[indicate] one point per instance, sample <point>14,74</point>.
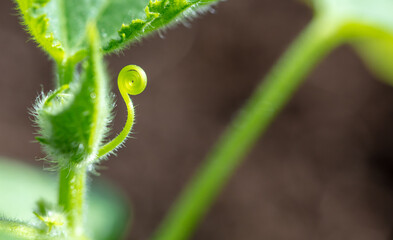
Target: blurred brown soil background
<point>322,171</point>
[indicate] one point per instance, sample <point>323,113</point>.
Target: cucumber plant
<point>73,119</point>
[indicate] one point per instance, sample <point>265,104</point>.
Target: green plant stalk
<point>72,184</point>
<point>65,72</point>
<point>19,230</point>
<point>319,38</point>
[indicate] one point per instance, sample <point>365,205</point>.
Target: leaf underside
<point>59,26</point>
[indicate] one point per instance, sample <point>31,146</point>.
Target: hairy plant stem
<point>65,72</point>
<point>72,184</point>
<point>319,38</point>
<point>18,229</point>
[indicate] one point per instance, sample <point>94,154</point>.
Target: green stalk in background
<point>367,25</point>
<point>318,39</point>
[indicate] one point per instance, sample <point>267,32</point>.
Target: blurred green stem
<point>72,184</point>
<point>319,38</point>
<point>19,230</point>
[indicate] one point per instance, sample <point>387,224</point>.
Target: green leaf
<point>68,19</point>
<point>59,26</point>
<point>38,26</point>
<point>368,26</point>
<point>158,14</point>
<point>73,119</point>
<point>21,186</point>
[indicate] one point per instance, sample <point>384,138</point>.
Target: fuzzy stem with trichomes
<point>72,187</point>
<point>72,176</point>
<point>319,38</point>
<point>65,72</point>
<point>131,80</point>
<point>20,230</point>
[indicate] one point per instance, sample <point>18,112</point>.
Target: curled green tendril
<point>132,80</point>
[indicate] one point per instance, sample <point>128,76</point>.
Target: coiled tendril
<point>132,80</point>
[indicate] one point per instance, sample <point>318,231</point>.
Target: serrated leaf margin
<point>37,25</point>
<point>158,14</point>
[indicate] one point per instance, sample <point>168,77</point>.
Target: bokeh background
<point>323,170</point>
